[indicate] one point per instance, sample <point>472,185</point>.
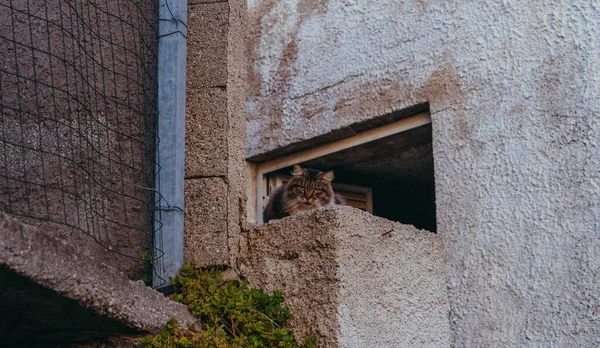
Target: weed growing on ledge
<point>232,314</point>
<point>146,258</point>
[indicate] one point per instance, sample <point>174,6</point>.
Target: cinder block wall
<point>215,131</point>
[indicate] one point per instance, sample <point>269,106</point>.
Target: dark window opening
<point>397,171</point>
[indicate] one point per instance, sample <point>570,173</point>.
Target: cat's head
<point>308,189</point>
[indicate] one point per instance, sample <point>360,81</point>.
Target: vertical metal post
<point>170,154</point>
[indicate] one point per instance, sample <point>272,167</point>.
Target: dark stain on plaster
<point>374,99</point>
<point>307,8</point>
<point>563,123</point>
<point>282,83</point>
<point>310,113</point>
<point>274,95</point>
<point>443,90</point>
<point>516,109</point>
<point>422,4</point>
<point>288,57</point>
<point>442,85</point>
<point>253,41</point>
<point>343,103</point>
<point>342,133</point>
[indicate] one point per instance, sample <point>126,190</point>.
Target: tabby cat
<point>307,189</point>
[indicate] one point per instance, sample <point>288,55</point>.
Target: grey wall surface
<point>514,97</point>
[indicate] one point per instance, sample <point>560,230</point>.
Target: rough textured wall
<point>514,97</point>
<point>215,131</point>
<point>54,294</point>
<point>77,114</point>
<point>353,279</point>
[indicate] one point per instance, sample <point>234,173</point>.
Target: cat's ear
<point>298,171</point>
<point>327,176</point>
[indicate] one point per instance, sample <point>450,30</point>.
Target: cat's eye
<point>318,191</point>
<point>299,189</point>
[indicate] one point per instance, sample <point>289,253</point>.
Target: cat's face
<point>308,189</point>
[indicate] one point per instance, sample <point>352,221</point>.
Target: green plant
<point>232,314</point>
<point>146,258</point>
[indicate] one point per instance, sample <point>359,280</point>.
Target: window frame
<point>256,172</point>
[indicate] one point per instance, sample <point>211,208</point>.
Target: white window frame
<point>255,172</point>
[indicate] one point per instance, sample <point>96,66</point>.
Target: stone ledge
<point>353,279</point>
<point>52,292</point>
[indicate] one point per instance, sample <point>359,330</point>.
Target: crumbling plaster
<point>514,97</point>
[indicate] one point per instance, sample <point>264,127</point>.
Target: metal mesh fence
<point>77,122</point>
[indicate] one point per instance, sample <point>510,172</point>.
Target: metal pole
<point>170,154</point>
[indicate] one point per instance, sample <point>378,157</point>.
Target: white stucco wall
<point>514,93</point>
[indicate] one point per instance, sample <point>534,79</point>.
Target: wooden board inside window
<point>356,196</point>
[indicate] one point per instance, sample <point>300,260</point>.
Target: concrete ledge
<point>52,292</point>
<point>356,280</point>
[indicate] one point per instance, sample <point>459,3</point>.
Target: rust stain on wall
<point>307,8</point>
<point>253,42</point>
<point>373,99</point>
<point>273,96</point>
<point>517,109</point>
<point>443,85</point>
<point>443,90</point>
<point>282,83</point>
<point>344,103</point>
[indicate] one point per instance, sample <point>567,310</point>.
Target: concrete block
<point>205,239</point>
<point>207,45</point>
<point>353,279</point>
<point>206,140</point>
<point>237,71</point>
<point>55,293</point>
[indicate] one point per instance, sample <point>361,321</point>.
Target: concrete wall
<point>353,279</point>
<point>215,131</point>
<point>77,106</point>
<point>56,295</point>
<point>514,97</point>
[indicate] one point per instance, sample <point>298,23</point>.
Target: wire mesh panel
<point>77,122</point>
